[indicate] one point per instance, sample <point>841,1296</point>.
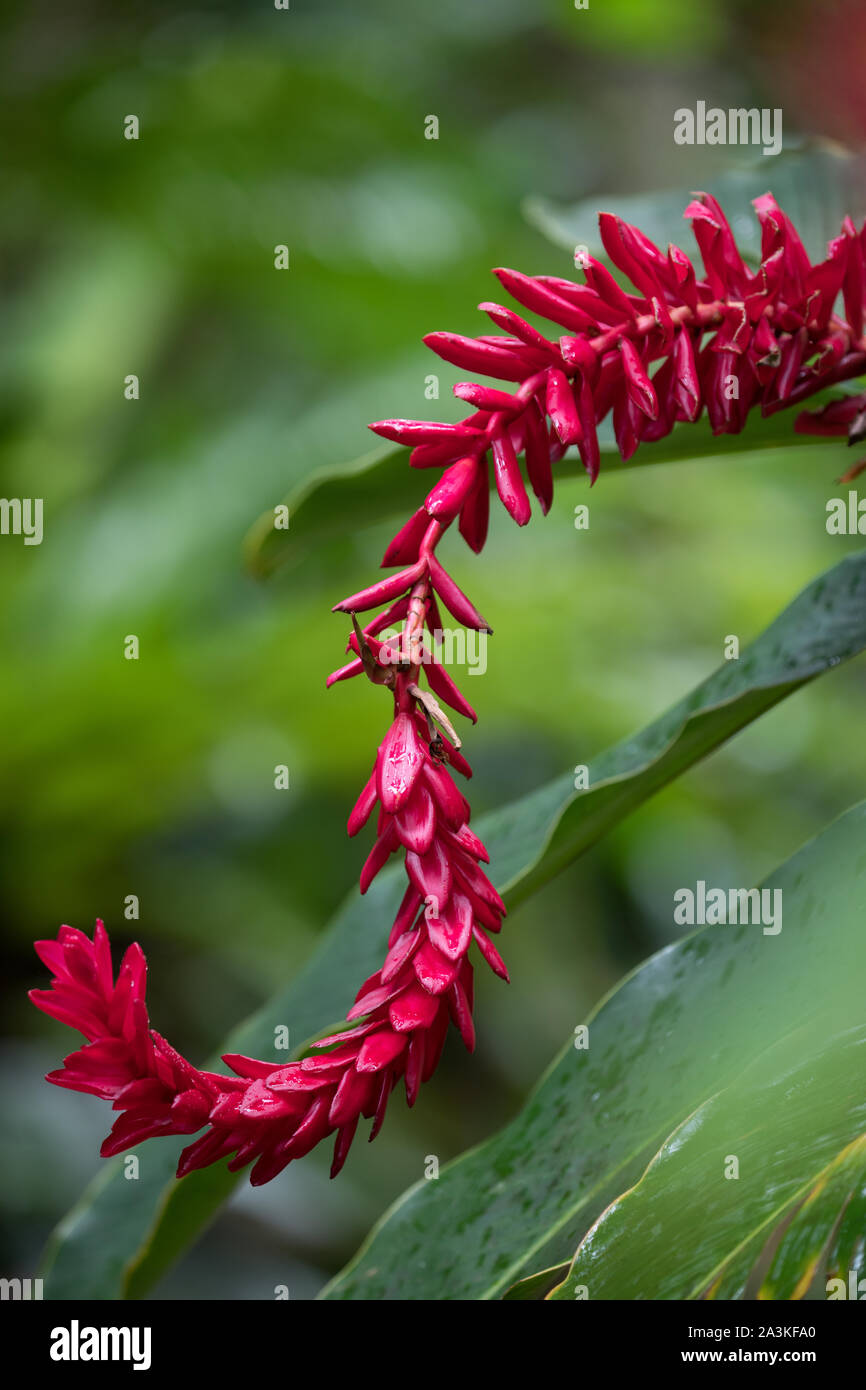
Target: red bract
<point>269,1115</point>
<point>728,341</point>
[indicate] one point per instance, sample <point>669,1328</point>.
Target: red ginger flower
<point>270,1114</point>
<point>773,332</point>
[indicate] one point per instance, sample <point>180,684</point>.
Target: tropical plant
<point>737,1047</point>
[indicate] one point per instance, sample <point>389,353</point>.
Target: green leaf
<point>123,1235</point>
<point>536,1286</point>
<point>792,1121</point>
<point>381,483</point>
<point>796,1253</point>
<point>729,1042</point>
<point>816,185</point>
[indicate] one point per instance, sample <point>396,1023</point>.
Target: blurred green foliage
<point>155,777</point>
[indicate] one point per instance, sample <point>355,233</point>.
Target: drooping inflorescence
<point>675,344</point>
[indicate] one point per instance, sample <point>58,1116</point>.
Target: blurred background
<point>155,777</point>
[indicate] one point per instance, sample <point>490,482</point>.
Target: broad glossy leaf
<point>537,1286</point>
<point>793,1122</point>
<point>728,1010</point>
<point>817,1234</point>
<point>802,1253</point>
<point>123,1235</point>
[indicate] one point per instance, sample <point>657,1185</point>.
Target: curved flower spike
<point>654,356</point>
